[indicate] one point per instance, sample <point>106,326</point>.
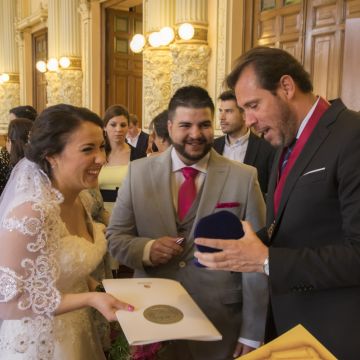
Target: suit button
<point>182,264</point>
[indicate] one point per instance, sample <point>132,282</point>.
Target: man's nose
<point>195,132</point>
<point>250,119</point>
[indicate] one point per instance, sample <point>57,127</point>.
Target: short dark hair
<point>133,119</point>
<point>227,95</point>
<point>160,126</point>
<point>52,129</point>
<point>25,111</point>
<point>191,97</point>
<point>270,64</point>
<point>18,134</point>
<point>112,111</point>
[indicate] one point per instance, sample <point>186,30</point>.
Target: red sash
<point>321,107</point>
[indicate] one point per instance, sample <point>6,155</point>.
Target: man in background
<point>241,144</point>
<point>135,136</point>
<point>161,201</point>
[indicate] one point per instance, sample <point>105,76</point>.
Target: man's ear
<point>169,124</point>
<point>287,85</point>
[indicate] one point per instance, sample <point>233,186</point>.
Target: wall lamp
<point>4,77</point>
<point>161,38</point>
<point>53,64</point>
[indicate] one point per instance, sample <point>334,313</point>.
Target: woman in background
<point>17,137</point>
<point>118,153</point>
<point>50,245</point>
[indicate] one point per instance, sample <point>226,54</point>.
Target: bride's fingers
<point>119,305</point>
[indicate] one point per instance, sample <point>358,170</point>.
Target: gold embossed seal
<point>163,314</point>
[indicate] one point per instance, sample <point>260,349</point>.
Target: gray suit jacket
<point>144,210</point>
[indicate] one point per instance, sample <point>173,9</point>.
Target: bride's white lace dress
<point>40,260</point>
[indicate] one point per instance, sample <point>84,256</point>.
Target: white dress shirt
<point>237,150</point>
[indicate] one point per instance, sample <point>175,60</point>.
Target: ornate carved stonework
<point>156,82</point>
<point>190,65</point>
<point>221,47</point>
<point>9,98</point>
<point>64,86</point>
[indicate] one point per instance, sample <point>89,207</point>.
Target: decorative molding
<point>157,64</point>
<point>190,65</point>
<point>221,50</point>
<point>9,98</point>
<point>14,78</point>
<point>75,63</point>
<point>40,16</point>
<point>64,86</point>
<point>85,32</point>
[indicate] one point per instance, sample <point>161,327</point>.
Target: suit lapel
<point>251,150</point>
<point>315,140</point>
<point>215,180</point>
<point>271,187</point>
<point>160,177</point>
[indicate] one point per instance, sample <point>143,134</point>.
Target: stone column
<point>191,57</point>
<point>9,62</point>
<point>64,85</point>
<point>157,62</point>
<point>86,51</point>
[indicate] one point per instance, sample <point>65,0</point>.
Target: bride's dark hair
<point>52,129</point>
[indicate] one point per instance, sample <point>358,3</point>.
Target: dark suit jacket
<point>314,253</point>
<point>142,143</point>
<point>136,153</point>
<point>259,154</point>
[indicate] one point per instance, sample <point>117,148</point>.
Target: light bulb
<point>139,39</point>
<point>4,77</point>
<point>154,39</point>
<point>166,35</point>
<point>41,66</point>
<point>52,64</point>
<point>64,62</point>
<point>186,31</point>
<point>135,47</point>
<point>137,43</point>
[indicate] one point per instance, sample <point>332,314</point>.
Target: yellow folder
<point>296,344</point>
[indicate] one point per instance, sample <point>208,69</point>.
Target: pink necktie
<point>187,191</point>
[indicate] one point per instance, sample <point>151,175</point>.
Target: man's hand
<point>244,255</point>
<point>242,349</point>
<point>164,249</point>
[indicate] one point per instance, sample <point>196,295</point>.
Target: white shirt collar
<point>178,164</point>
<point>240,141</point>
<point>306,119</point>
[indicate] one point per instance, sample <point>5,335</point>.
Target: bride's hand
<point>108,305</point>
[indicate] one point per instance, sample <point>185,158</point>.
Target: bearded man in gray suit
<point>145,225</point>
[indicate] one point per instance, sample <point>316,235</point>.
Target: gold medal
<point>163,314</point>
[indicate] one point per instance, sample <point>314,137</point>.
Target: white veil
<point>29,229</point>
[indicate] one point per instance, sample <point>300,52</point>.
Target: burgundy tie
<point>187,191</point>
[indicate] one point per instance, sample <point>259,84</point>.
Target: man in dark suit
<point>135,136</point>
<point>241,144</point>
<point>311,249</point>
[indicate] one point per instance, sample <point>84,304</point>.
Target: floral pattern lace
<point>29,227</point>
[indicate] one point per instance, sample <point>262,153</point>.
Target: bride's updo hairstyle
<point>51,130</point>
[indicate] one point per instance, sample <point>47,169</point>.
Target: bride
<point>49,244</point>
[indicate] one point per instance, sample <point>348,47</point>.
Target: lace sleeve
<point>30,227</point>
<point>28,269</point>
